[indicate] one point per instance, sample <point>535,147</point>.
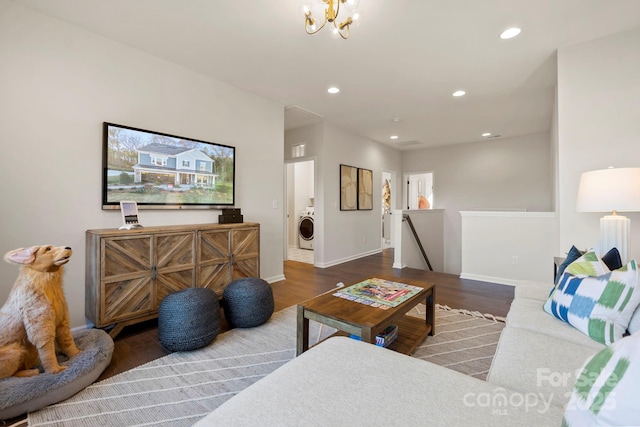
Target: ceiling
<point>404,59</point>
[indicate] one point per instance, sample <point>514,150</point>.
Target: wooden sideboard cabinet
<point>128,272</point>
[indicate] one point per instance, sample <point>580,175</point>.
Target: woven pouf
<point>247,302</point>
<point>188,319</point>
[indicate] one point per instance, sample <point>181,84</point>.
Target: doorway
<point>300,190</point>
<point>388,205</point>
<point>418,191</point>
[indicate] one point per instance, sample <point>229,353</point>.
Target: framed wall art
<point>365,189</point>
<point>348,188</point>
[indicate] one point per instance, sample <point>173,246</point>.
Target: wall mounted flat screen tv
<point>162,171</point>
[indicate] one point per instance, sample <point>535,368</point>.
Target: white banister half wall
<point>429,226</point>
<point>506,247</point>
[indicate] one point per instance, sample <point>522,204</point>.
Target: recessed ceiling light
<point>394,136</point>
<point>395,120</point>
<point>459,93</point>
<point>510,33</point>
<point>486,134</point>
<point>333,89</point>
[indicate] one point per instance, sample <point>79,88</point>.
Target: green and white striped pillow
<point>600,307</point>
<point>606,392</point>
<point>588,265</point>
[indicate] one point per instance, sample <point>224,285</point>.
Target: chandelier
<point>318,12</point>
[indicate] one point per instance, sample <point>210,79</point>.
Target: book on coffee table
<point>379,292</point>
<point>383,339</point>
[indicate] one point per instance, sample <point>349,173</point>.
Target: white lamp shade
<point>609,190</point>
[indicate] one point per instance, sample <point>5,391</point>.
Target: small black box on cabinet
<point>230,216</point>
<point>229,219</point>
<point>231,211</point>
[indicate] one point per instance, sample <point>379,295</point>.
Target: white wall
<point>351,234</point>
<point>505,247</point>
<point>303,187</point>
<point>508,173</point>
<point>598,126</point>
<point>58,83</point>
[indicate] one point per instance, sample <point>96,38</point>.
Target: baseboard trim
<point>343,260</point>
<point>274,278</point>
<point>490,279</point>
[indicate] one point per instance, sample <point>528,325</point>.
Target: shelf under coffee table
<point>350,317</point>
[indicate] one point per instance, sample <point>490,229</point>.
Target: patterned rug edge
<point>478,314</point>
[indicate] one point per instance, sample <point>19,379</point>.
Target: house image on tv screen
<point>187,166</point>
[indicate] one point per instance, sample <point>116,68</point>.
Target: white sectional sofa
<point>343,382</point>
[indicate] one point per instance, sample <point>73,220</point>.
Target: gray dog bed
<point>21,395</point>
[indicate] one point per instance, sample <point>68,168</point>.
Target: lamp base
<point>614,233</point>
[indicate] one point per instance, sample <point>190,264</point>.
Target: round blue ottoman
<point>188,319</point>
<point>247,302</point>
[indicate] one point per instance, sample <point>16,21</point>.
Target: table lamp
<point>611,190</point>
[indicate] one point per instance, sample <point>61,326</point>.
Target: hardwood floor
<point>139,344</point>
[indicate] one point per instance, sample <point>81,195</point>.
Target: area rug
<point>179,389</point>
<point>465,341</point>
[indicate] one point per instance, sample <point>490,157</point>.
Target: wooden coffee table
<point>350,317</point>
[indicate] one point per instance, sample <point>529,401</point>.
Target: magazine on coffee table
<point>379,293</point>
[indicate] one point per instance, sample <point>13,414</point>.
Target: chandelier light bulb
<point>351,5</point>
<point>304,8</point>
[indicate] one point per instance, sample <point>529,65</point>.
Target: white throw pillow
<point>606,392</point>
<point>634,324</point>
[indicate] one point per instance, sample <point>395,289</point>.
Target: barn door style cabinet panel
<point>227,255</point>
<point>128,272</point>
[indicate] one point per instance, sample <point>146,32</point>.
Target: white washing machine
<point>305,229</point>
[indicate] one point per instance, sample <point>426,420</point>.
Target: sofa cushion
<point>537,364</point>
<point>606,392</point>
<point>600,307</point>
<point>346,382</point>
<point>528,314</point>
<point>533,290</point>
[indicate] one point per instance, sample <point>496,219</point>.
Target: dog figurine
<point>35,316</point>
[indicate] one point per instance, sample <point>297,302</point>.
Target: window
<point>297,150</point>
<point>186,164</point>
<point>203,166</point>
<point>159,161</point>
